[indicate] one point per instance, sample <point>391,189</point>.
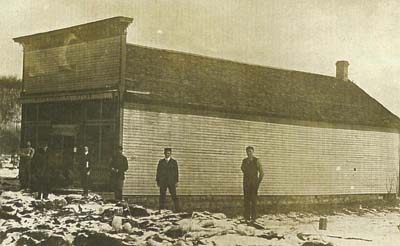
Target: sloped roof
<point>171,77</point>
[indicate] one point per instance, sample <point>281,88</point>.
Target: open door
<point>63,142</point>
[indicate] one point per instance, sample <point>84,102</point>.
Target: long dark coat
<point>167,172</point>
<point>85,163</point>
<point>41,169</point>
<point>120,164</point>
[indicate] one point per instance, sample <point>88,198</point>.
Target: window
<point>30,135</point>
<point>92,140</point>
<point>57,113</point>
<point>108,109</point>
<point>107,142</point>
<point>93,110</point>
<point>30,112</point>
<point>43,135</point>
<point>45,111</point>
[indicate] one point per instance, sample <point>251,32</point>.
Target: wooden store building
<point>316,135</point>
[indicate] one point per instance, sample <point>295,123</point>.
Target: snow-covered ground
<point>363,227</point>
<point>7,172</point>
<point>75,220</point>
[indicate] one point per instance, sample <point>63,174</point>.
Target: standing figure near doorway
<point>119,165</point>
<point>42,171</point>
<point>85,166</point>
<point>25,175</point>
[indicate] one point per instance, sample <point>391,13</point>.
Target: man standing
<point>25,174</point>
<point>252,177</point>
<point>85,167</point>
<point>119,165</point>
<point>167,177</point>
<point>43,173</point>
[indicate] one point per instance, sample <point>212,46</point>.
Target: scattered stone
<point>57,240</point>
<point>127,227</point>
<point>117,223</point>
<point>69,221</point>
<point>175,232</point>
<point>7,216</point>
<point>207,223</point>
<point>219,216</point>
<point>17,229</point>
<point>316,243</point>
<point>6,208</point>
<point>138,211</point>
<point>271,235</point>
<point>60,203</point>
<point>18,204</point>
<point>25,240</point>
<point>97,238</point>
<point>38,234</point>
<point>44,227</point>
<point>245,230</point>
<point>113,211</point>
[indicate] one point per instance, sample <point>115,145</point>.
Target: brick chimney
<point>342,70</point>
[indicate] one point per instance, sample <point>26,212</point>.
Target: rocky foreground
<point>74,220</point>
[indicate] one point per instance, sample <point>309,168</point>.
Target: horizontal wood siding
<point>87,65</point>
<point>297,160</point>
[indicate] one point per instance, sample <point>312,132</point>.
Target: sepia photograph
<point>199,122</point>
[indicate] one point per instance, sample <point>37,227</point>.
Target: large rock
<point>56,240</point>
<point>8,216</point>
<point>316,243</point>
<point>175,232</point>
<point>138,211</point>
<point>87,238</point>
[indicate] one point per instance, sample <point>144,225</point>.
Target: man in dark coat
<point>42,172</point>
<point>252,177</point>
<point>167,178</point>
<point>85,165</point>
<point>119,165</point>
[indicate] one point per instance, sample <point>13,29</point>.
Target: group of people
<point>36,165</point>
<point>34,172</point>
<point>38,174</point>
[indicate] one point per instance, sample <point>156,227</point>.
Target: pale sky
<point>303,35</point>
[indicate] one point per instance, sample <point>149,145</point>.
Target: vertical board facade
<point>297,160</point>
<point>76,66</point>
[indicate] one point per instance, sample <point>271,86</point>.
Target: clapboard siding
<point>297,160</point>
<point>88,65</point>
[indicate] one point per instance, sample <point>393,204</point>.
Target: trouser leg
<point>28,175</point>
<point>84,183</point>
<point>253,203</point>
<point>172,191</point>
<point>22,175</point>
<point>246,197</point>
<point>45,191</point>
<point>118,189</point>
<point>163,191</point>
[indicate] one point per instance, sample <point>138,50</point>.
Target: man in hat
<point>167,178</point>
<point>252,177</point>
<point>119,165</point>
<point>85,165</point>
